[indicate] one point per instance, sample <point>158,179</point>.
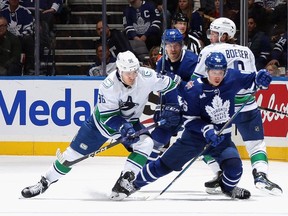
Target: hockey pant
<point>186,148</point>
<point>89,139</point>
<point>250,126</point>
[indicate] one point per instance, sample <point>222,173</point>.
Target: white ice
<point>85,190</point>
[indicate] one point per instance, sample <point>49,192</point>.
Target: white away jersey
<point>114,99</point>
<point>238,57</point>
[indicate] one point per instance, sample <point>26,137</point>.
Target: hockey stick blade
<point>66,163</point>
<point>272,110</point>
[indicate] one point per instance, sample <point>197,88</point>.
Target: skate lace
<point>36,188</point>
<point>238,192</point>
<point>127,185</point>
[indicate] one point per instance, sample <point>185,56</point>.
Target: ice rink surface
<point>85,190</point>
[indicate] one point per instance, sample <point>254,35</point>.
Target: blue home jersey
<point>142,21</point>
<point>206,104</point>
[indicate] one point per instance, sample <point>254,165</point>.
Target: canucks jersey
<point>118,103</point>
<point>206,104</point>
<point>238,57</point>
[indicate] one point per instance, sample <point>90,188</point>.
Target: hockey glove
<point>171,113</point>
<point>263,78</point>
<point>210,135</point>
<point>127,132</point>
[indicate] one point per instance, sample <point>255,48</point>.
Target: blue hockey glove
<point>210,135</point>
<point>127,131</point>
<point>263,78</point>
<point>171,113</point>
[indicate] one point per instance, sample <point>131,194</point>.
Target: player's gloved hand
<point>210,135</point>
<point>263,78</point>
<point>171,113</point>
<point>128,132</point>
<point>176,78</point>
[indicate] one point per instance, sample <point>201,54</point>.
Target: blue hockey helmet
<point>216,61</point>
<point>172,35</point>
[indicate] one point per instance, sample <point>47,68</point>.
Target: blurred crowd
<point>142,31</point>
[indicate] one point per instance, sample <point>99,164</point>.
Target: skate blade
<point>117,196</point>
<point>272,191</point>
<point>214,191</point>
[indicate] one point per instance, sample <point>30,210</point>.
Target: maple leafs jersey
<point>206,104</point>
<point>142,21</point>
<point>20,22</point>
<point>118,103</point>
<point>238,57</point>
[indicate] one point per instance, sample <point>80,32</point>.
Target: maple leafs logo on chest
<point>219,111</point>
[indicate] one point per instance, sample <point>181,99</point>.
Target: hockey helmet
<point>216,61</point>
<point>127,62</point>
<point>172,35</point>
<point>180,17</point>
<point>222,25</point>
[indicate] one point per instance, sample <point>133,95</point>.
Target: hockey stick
<point>66,163</point>
<point>272,110</point>
<point>205,147</point>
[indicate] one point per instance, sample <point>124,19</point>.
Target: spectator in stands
<point>21,24</point>
<point>278,19</point>
<point>3,4</point>
<point>97,68</point>
<point>10,51</point>
<point>273,70</point>
<point>181,22</point>
<point>116,39</point>
<point>279,53</point>
<point>159,6</point>
<point>195,19</point>
<point>47,9</point>
<point>142,22</point>
<point>258,12</point>
<point>259,43</point>
<point>153,57</point>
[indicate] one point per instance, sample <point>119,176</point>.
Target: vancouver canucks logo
<point>126,106</point>
<point>219,111</point>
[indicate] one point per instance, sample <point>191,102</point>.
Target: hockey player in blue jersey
<point>121,100</point>
<point>179,64</point>
<point>249,121</point>
<point>208,105</point>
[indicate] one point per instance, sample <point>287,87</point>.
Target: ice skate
<point>36,189</point>
<point>213,186</point>
<point>262,183</point>
<point>238,193</point>
<point>123,187</point>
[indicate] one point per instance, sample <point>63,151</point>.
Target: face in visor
<point>173,50</point>
<point>215,76</point>
<point>128,77</point>
<point>213,36</point>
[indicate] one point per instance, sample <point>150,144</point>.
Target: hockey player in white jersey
<point>249,121</point>
<point>121,100</point>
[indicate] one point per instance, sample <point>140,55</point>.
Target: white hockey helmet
<point>127,61</point>
<point>222,25</point>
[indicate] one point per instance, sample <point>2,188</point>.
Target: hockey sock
<point>212,163</point>
<point>232,172</point>
<point>56,171</point>
<point>151,172</point>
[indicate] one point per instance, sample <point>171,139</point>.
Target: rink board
<point>40,114</point>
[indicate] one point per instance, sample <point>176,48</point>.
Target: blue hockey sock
<point>151,172</point>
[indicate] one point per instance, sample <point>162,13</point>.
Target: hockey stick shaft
<point>272,110</point>
<point>118,141</point>
<point>208,145</point>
